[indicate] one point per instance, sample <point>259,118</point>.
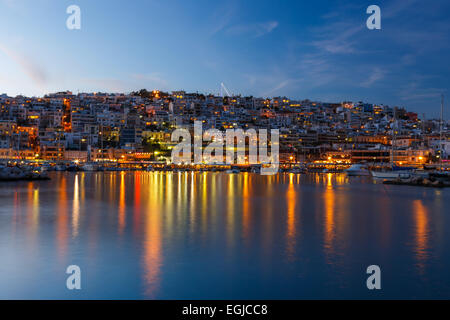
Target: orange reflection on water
<point>76,208</point>
<point>137,201</point>
<point>30,208</point>
<point>166,199</point>
<point>245,207</point>
<point>329,201</point>
<point>231,212</point>
<point>422,234</point>
<point>152,242</point>
<point>32,214</point>
<point>122,216</point>
<point>62,231</point>
<point>193,201</point>
<point>16,212</point>
<point>291,230</point>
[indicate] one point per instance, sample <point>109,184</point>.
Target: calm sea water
<point>222,236</point>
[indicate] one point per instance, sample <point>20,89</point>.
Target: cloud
<point>338,37</point>
<point>278,87</point>
<point>274,81</point>
<point>221,17</point>
<point>376,75</point>
<point>396,7</point>
<point>129,83</point>
<point>253,30</point>
<point>28,66</point>
<point>9,3</point>
<point>415,91</point>
<point>107,84</point>
<point>152,79</point>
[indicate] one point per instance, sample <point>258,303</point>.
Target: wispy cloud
<point>28,66</point>
<point>107,84</point>
<point>396,7</point>
<point>338,37</point>
<point>271,82</point>
<point>253,30</point>
<point>129,83</point>
<point>375,75</point>
<point>154,79</point>
<point>415,91</point>
<point>9,3</point>
<point>221,17</point>
<point>278,87</point>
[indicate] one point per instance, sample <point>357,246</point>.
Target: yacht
<point>358,170</point>
<point>60,167</point>
<point>394,174</point>
<point>233,171</point>
<point>89,167</point>
<point>72,168</point>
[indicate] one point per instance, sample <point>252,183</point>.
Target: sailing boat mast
<point>393,138</point>
<point>441,145</point>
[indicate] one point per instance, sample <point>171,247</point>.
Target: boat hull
<point>390,174</point>
<point>354,173</point>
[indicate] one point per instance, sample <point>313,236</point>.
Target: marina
<point>432,177</point>
<point>207,235</point>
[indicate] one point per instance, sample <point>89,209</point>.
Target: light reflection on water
<point>213,235</point>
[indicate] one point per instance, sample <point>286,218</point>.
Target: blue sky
<point>319,50</point>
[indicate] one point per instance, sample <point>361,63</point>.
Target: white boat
<point>60,167</point>
<point>392,175</point>
<point>256,169</point>
<point>357,170</point>
<point>233,171</point>
<point>89,167</point>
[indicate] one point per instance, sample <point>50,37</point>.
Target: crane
<point>222,89</point>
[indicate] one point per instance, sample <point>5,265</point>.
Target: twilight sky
<point>319,50</point>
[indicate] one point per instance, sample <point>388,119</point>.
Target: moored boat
<point>60,167</point>
<point>358,170</point>
<point>394,173</point>
<point>89,167</point>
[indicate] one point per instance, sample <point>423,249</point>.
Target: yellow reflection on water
<point>231,195</point>
<point>76,208</point>
<point>246,207</point>
<point>137,201</point>
<point>329,203</point>
<point>421,234</point>
<point>32,214</point>
<point>291,230</point>
<point>204,201</point>
<point>122,206</point>
<point>35,207</point>
<point>62,219</point>
<point>193,208</point>
<point>152,242</point>
<point>167,199</point>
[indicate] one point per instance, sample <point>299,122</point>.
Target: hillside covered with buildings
<point>138,127</point>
